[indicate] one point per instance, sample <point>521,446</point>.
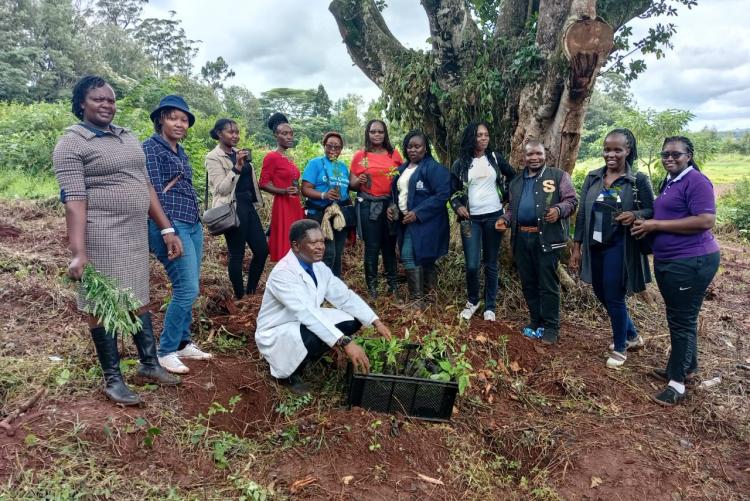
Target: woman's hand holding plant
<point>75,268</point>
<point>625,218</point>
<point>462,212</point>
<point>410,217</point>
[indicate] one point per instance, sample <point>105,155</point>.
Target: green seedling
<point>112,306</point>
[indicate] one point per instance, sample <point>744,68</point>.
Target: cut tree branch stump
<point>6,425</point>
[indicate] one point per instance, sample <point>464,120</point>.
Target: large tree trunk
<point>430,90</point>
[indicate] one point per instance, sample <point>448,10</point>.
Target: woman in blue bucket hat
<point>172,177</point>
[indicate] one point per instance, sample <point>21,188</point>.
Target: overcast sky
<point>296,43</point>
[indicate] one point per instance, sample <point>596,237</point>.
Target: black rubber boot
<point>149,369</point>
<point>371,278</point>
<point>109,358</point>
<point>430,282</point>
<point>415,283</point>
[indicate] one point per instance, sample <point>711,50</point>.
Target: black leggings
<point>250,232</point>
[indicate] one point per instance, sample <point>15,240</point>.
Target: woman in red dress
<point>280,178</point>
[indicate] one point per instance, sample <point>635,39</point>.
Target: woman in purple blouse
<point>686,258</point>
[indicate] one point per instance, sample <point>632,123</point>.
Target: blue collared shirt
<point>308,267</point>
<point>180,202</point>
<point>527,204</point>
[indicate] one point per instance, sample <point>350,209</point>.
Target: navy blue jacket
<point>429,190</point>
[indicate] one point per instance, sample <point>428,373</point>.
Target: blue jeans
<point>484,241</point>
<point>184,273</point>
<point>408,258</point>
<point>608,280</point>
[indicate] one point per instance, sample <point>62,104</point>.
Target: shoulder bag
<point>222,219</point>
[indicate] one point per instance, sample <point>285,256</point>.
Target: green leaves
<point>113,307</point>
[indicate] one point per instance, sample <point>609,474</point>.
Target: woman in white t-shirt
<point>478,180</point>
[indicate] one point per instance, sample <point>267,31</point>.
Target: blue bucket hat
<point>176,102</point>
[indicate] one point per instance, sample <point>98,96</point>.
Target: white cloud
<point>296,43</point>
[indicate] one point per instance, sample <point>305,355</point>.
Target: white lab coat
<point>291,299</point>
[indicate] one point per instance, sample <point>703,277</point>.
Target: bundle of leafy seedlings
<point>435,358</point>
<point>113,307</point>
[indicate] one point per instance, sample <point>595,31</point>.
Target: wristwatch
<point>343,341</point>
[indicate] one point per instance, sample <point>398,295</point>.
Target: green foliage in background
<point>735,208</point>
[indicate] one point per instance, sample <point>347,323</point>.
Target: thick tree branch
<point>512,16</point>
<point>454,34</point>
<point>368,40</point>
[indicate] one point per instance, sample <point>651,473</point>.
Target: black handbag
<point>222,219</point>
<point>350,215</point>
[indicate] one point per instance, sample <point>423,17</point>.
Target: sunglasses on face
<point>674,154</point>
<point>333,147</point>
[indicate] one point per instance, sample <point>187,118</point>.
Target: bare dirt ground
<point>536,423</point>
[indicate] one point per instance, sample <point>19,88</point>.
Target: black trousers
<point>377,239</point>
<point>316,348</point>
<point>683,284</point>
<point>250,233</point>
<point>539,281</point>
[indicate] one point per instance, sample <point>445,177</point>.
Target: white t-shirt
<point>403,187</point>
<point>483,196</point>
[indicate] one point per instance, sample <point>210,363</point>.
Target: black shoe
<point>295,384</point>
<point>669,397</point>
<point>149,369</point>
<point>550,337</point>
<point>691,380</point>
<point>109,358</point>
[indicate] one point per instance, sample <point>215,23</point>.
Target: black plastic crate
<point>416,397</point>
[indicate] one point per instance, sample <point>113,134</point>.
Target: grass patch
<point>18,184</point>
<point>724,169</point>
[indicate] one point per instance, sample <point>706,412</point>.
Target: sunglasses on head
<point>674,154</point>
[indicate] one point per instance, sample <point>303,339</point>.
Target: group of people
<point>123,198</point>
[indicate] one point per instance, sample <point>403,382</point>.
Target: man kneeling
<point>292,328</point>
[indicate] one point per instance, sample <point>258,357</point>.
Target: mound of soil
<point>9,231</point>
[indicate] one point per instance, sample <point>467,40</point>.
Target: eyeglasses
<point>333,147</point>
<point>674,154</point>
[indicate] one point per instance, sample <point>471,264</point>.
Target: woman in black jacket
<point>478,180</point>
<point>609,258</point>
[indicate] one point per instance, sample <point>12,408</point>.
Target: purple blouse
<point>689,194</point>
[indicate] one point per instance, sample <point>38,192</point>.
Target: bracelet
<point>323,195</point>
<point>167,231</point>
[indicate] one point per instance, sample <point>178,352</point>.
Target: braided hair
<point>386,139</point>
<point>275,120</point>
<point>688,146</point>
<point>469,141</point>
<point>418,133</point>
<point>631,142</point>
<point>81,88</point>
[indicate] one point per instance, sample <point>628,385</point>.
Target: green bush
<point>734,208</point>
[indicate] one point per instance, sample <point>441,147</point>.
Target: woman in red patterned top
<point>280,178</point>
<point>372,170</point>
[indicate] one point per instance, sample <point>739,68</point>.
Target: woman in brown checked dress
<point>101,170</point>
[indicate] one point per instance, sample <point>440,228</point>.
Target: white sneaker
<point>616,360</point>
<point>631,344</point>
<point>172,363</point>
<point>469,310</point>
<point>192,352</point>
<point>489,316</point>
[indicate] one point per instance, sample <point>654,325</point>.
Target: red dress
<point>281,172</point>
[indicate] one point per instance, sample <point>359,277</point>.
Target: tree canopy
<point>527,67</point>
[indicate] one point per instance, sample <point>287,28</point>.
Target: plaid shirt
<point>180,203</point>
